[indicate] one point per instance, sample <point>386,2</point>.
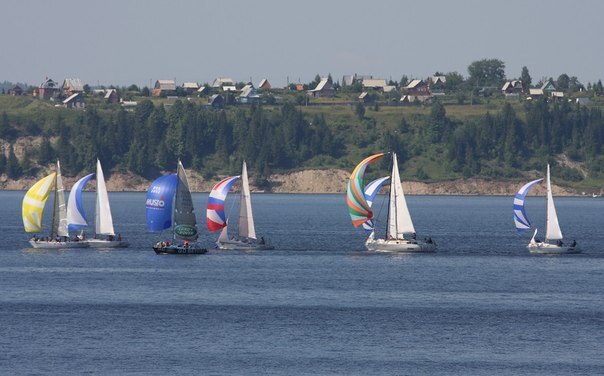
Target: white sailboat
<point>553,243</point>
<point>33,210</point>
<point>400,232</point>
<point>104,232</point>
<point>170,205</point>
<point>216,219</point>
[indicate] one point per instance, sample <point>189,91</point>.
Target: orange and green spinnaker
<point>358,208</point>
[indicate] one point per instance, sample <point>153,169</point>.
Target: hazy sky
<point>123,42</point>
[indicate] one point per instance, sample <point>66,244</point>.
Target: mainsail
<point>185,224</point>
<point>358,208</point>
<point>160,197</point>
<point>521,220</point>
<point>103,218</point>
<point>399,219</point>
<point>59,214</point>
<point>215,215</point>
<point>246,217</point>
<point>552,231</point>
<point>371,190</point>
<point>76,218</point>
<point>34,201</point>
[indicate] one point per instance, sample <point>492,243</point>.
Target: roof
<point>437,79</point>
<point>368,82</point>
<point>218,82</point>
<point>109,92</point>
<point>49,84</point>
<point>71,98</point>
<point>535,91</point>
<point>363,95</point>
<point>73,84</point>
<point>248,90</point>
<point>165,85</point>
<point>413,84</point>
<point>558,94</point>
<point>321,85</point>
<point>190,85</point>
<point>264,84</point>
<point>348,79</point>
<point>389,88</point>
<point>548,85</point>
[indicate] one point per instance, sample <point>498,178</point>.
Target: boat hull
<point>42,244</point>
<point>546,248</point>
<point>179,250</point>
<point>400,246</point>
<point>240,245</point>
<point>100,243</point>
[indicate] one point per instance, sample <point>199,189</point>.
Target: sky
<point>123,42</point>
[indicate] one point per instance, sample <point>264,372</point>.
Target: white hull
<point>402,246</point>
<point>241,245</point>
<point>43,244</point>
<point>101,243</point>
<point>546,248</point>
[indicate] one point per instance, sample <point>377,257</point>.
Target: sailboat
<point>216,218</point>
<point>553,234</point>
<point>33,210</point>
<point>400,232</point>
<point>170,205</point>
<point>104,232</point>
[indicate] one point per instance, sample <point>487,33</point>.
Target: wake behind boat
<point>33,210</point>
<point>553,243</point>
<point>216,218</point>
<point>170,205</point>
<point>400,232</point>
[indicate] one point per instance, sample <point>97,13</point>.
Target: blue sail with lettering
<point>160,197</point>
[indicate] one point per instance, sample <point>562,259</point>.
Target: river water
<point>317,304</point>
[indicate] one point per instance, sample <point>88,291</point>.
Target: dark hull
<point>179,250</point>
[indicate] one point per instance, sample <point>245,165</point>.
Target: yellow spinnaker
<point>33,203</point>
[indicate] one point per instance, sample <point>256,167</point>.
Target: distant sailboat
<point>553,236</point>
<point>103,218</point>
<point>400,232</point>
<point>170,205</point>
<point>216,218</point>
<point>33,210</point>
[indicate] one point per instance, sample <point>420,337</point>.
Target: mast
<point>246,217</point>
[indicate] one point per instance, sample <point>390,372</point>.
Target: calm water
<point>318,304</point>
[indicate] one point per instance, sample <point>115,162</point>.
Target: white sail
<point>553,231</point>
<point>103,219</point>
<point>246,217</point>
<point>59,218</point>
<point>399,219</point>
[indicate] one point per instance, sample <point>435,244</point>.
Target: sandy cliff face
<point>313,181</point>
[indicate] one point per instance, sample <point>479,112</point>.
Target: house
<point>164,88</point>
<point>249,94</point>
<point>375,84</point>
<point>557,95</point>
<point>112,96</point>
<point>437,85</point>
<point>412,99</point>
<point>548,87</point>
<point>16,91</point>
<point>535,93</point>
<point>190,87</point>
<point>348,79</point>
<point>323,89</point>
<point>216,101</point>
<point>364,97</point>
<point>264,85</point>
<point>203,90</point>
<point>512,88</point>
<point>221,82</point>
<point>49,89</point>
<point>76,100</point>
<point>417,87</point>
<point>72,86</point>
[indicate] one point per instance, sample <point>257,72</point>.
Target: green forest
<point>505,141</point>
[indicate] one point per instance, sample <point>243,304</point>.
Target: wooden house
<point>216,101</point>
<point>222,81</point>
<point>264,85</point>
<point>512,88</point>
<point>112,96</point>
<point>323,89</point>
<point>249,94</point>
<point>16,91</point>
<point>190,87</point>
<point>76,100</point>
<point>374,84</point>
<point>49,89</point>
<point>72,86</point>
<point>164,88</point>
